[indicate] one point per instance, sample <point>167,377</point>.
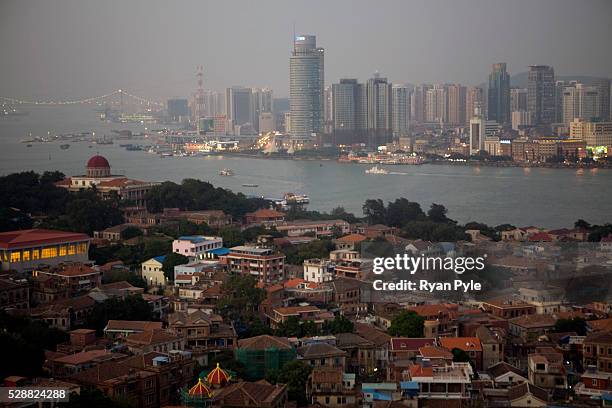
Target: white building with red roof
<point>26,250</point>
<point>99,175</point>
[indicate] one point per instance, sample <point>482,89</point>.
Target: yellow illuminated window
<point>36,254</point>
<point>50,252</point>
<point>63,250</point>
<point>4,256</point>
<point>72,249</point>
<point>15,256</point>
<point>26,256</point>
<point>82,248</point>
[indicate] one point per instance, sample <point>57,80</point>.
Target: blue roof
<point>193,238</point>
<point>379,396</point>
<point>160,258</point>
<point>409,385</point>
<point>219,251</point>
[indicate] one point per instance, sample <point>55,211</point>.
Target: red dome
<point>97,161</point>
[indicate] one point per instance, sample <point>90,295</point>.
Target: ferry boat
<point>376,170</point>
<point>292,198</point>
<point>226,172</point>
<point>250,185</point>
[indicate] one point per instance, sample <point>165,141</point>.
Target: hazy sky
<point>77,48</point>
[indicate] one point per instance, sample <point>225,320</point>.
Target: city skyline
<point>129,50</point>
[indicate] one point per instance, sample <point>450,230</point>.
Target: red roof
<point>540,237</point>
<point>217,376</point>
<point>461,343</point>
<point>410,344</point>
<point>97,161</point>
<point>34,237</point>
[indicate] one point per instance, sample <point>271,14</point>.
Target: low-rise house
<point>360,353</point>
<point>76,277</point>
<point>349,242</point>
<point>123,382</point>
<point>508,308</point>
<point>68,365</point>
<point>263,263</point>
<point>546,368</point>
<point>262,353</point>
<point>437,356</point>
<point>318,270</point>
<point>14,294</point>
<point>446,386</point>
<point>503,374</point>
<point>203,333</point>
<point>530,327</point>
<point>111,234</point>
<point>407,348</point>
<point>527,395</point>
<point>265,217</point>
<point>319,228</point>
<point>123,328</point>
<point>471,345</point>
<point>594,383</point>
<point>152,273</point>
<point>196,246</point>
<point>547,300</point>
<point>327,386</point>
<point>157,340</point>
<point>250,395</point>
<point>322,355</point>
<point>282,314</point>
<point>440,319</point>
<point>299,289</point>
<point>597,351</point>
<point>492,346</point>
<point>381,341</point>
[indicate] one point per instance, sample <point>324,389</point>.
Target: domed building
<point>98,174</point>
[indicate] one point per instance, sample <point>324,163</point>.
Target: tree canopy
<point>407,324</point>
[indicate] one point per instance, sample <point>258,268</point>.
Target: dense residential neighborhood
<point>236,302</point>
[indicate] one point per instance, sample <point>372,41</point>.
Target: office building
<point>178,109</point>
<point>456,104</point>
<point>499,94</point>
<point>349,105</point>
<point>518,99</point>
<point>239,105</point>
<point>477,134</point>
<point>306,83</point>
<point>603,86</point>
<point>580,101</point>
<point>541,94</point>
<point>521,119</point>
<point>262,102</point>
<point>328,109</point>
<point>378,92</point>
<point>400,110</point>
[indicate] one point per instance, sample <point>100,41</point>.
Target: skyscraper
<point>603,85</point>
<point>499,94</point>
<point>348,105</point>
<point>541,94</point>
<point>379,103</point>
<point>262,102</point>
<point>436,104</point>
<point>580,102</point>
<point>417,103</point>
<point>400,109</point>
<point>239,105</point>
<point>456,104</point>
<point>306,83</point>
<point>474,99</point>
<point>518,99</point>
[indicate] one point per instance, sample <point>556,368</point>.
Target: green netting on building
<point>258,362</point>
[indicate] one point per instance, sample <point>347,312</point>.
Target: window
<point>63,250</point>
<point>50,252</point>
<point>15,256</point>
<point>26,255</point>
<point>71,249</point>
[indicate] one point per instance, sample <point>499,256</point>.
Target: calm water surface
<point>544,197</point>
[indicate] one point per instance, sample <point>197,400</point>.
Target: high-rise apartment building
<point>603,85</point>
<point>262,103</point>
<point>400,105</point>
<point>456,104</point>
<point>436,104</point>
<point>499,94</point>
<point>541,94</point>
<point>378,92</point>
<point>580,101</point>
<point>474,100</point>
<point>417,103</point>
<point>306,83</point>
<point>518,99</point>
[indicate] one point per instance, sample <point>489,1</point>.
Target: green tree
<point>130,308</point>
<point>231,236</point>
<point>437,213</point>
<point>460,356</point>
<point>374,211</point>
<point>407,324</point>
<point>340,324</point>
<point>295,374</point>
<point>241,299</point>
<point>170,261</point>
<point>127,276</point>
<point>402,211</point>
<point>576,324</point>
<point>131,232</point>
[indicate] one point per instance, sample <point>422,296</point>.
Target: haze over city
<point>69,48</point>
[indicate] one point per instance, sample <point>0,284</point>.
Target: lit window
<point>63,250</point>
<point>26,255</point>
<point>50,252</point>
<point>71,249</point>
<point>15,256</point>
<point>35,254</point>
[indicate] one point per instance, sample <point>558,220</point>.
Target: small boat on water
<point>226,172</point>
<point>376,170</point>
<point>250,185</point>
<point>292,198</point>
<point>64,146</point>
<point>29,145</point>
